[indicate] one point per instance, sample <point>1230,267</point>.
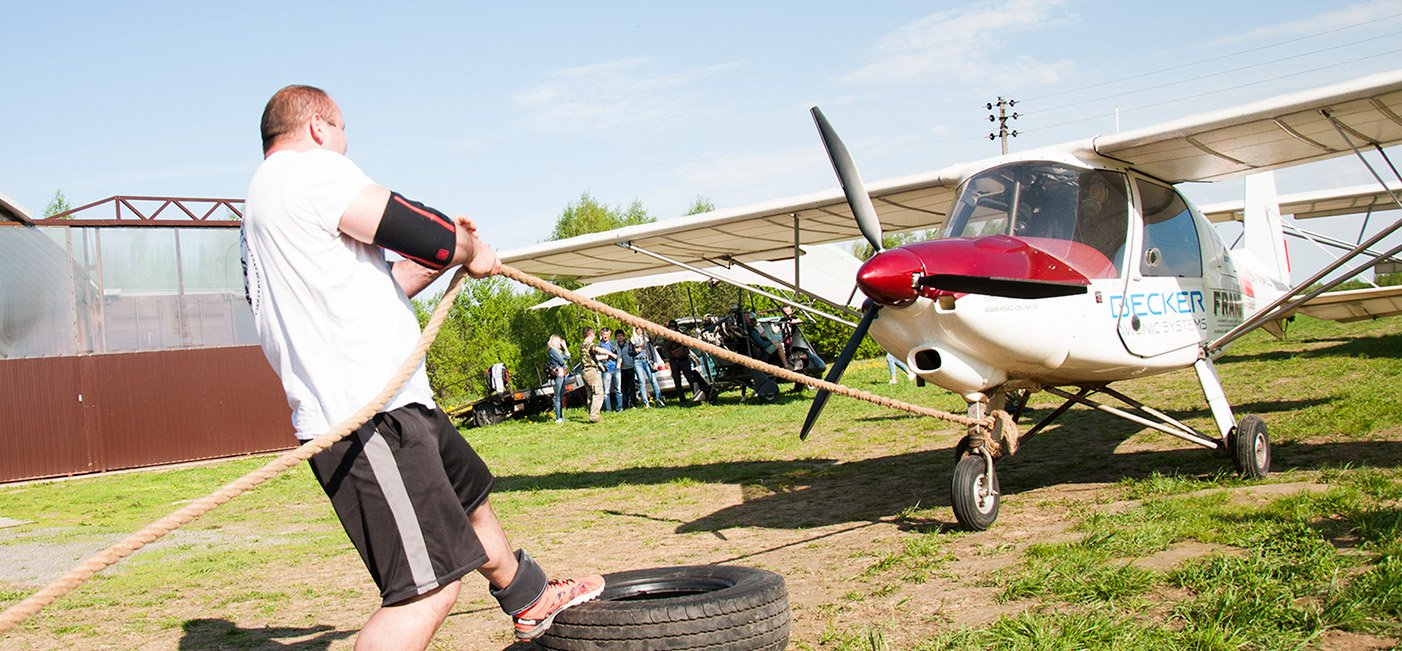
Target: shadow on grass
<point>1383,346</point>
<point>223,634</point>
<point>1081,448</point>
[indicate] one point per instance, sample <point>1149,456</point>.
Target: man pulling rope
<point>334,317</point>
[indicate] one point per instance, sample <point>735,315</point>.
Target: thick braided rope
<point>736,358</point>
<point>23,610</point>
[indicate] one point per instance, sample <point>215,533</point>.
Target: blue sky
<point>509,111</point>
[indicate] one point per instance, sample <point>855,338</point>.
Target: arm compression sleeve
<point>417,232</point>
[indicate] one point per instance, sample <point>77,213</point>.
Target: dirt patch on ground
<point>1345,641</point>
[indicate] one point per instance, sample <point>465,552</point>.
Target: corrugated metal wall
<point>90,413</point>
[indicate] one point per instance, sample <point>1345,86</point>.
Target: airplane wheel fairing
<point>1251,448</point>
<point>705,606</point>
<point>975,504</point>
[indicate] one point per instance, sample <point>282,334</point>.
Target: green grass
<point>1286,585</point>
<point>1287,565</point>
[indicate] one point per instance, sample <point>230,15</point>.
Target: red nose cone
<point>889,277</point>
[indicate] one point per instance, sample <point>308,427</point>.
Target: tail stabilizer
<point>1263,234</point>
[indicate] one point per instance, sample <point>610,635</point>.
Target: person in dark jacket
<point>559,371</point>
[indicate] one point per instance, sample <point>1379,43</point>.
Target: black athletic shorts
<point>402,486</point>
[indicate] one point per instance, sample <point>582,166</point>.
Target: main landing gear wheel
<point>697,607</point>
<point>974,497</point>
<point>1251,448</point>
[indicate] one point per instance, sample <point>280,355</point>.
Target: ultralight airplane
<point>1062,269</point>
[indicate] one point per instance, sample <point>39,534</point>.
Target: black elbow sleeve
<point>417,232</point>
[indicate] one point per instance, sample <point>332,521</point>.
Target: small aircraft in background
<point>1062,270</point>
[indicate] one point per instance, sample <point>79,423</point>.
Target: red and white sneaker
<point>559,594</point>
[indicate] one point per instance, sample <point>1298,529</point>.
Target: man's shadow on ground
<point>205,634</point>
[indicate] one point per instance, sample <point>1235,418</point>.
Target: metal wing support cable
<point>658,256</point>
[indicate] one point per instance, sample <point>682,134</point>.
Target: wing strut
<point>658,256</point>
<point>1321,240</point>
<point>1288,301</point>
<point>841,308</point>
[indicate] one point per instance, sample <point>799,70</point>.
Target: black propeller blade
<point>852,186</point>
<point>869,311</point>
<point>1006,287</point>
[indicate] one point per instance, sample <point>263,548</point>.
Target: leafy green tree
<point>58,204</point>
<point>587,215</point>
<point>700,204</point>
<point>863,250</point>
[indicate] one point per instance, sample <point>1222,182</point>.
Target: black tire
<point>488,414</point>
<point>764,385</point>
<point>694,607</point>
<point>970,509</point>
<point>1251,448</point>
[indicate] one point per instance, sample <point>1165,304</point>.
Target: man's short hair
<point>289,108</point>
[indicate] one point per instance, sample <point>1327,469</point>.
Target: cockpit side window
<point>1102,208</point>
<point>1171,244</point>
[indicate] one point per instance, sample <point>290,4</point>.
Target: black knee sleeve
<point>525,588</point>
<point>417,232</point>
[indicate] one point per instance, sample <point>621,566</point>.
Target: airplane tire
<point>1251,448</point>
<point>972,510</point>
<point>695,607</point>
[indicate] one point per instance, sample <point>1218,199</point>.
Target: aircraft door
<point>1163,305</point>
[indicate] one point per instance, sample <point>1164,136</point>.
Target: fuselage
<point>1158,281</point>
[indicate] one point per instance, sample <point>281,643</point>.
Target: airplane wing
<point>1278,132</point>
<point>1274,133</point>
<point>826,272</point>
<point>1355,304</point>
<point>1354,200</point>
<point>763,231</point>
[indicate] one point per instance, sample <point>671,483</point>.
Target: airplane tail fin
<point>1264,236</point>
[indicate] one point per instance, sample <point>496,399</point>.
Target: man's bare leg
<point>408,624</point>
<point>500,567</point>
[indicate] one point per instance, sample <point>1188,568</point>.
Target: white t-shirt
<point>333,323</point>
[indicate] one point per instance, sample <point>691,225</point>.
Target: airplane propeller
<point>869,311</point>
<point>887,276</point>
<point>870,225</point>
<point>852,186</point>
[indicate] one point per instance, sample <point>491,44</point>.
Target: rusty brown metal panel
<point>138,409</point>
<point>183,405</point>
<point>41,433</point>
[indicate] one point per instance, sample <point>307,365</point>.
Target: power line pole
<point>1002,120</point>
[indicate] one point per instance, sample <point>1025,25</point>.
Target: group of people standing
<point>618,370</point>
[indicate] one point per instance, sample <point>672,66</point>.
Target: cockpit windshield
<point>1049,204</point>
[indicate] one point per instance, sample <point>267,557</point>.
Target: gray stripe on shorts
<point>391,483</point>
